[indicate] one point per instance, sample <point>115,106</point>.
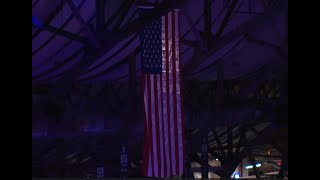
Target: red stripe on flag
<point>150,124</point>
<point>154,127</point>
<point>145,155</point>
<point>163,132</point>
<point>160,126</point>
<point>155,81</point>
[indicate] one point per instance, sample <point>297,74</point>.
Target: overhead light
<point>237,176</point>
<point>250,166</point>
<point>217,159</point>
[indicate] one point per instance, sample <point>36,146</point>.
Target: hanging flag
<point>163,154</point>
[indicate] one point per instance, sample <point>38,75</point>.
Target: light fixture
<point>237,176</point>
<point>217,159</point>
<point>250,166</point>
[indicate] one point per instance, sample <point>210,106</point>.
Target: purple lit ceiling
<point>255,35</point>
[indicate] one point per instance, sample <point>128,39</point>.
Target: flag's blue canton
<point>151,52</point>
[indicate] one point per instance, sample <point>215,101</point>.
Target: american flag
<point>163,151</point>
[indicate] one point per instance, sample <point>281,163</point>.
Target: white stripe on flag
<point>178,91</point>
<point>164,98</point>
<point>170,93</point>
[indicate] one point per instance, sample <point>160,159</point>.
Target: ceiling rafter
<point>60,65</point>
<point>113,17</point>
<point>122,14</point>
<point>47,60</point>
<point>63,33</point>
<point>35,3</point>
<point>91,35</point>
<point>107,60</point>
<point>50,18</point>
<point>198,57</point>
<point>56,32</point>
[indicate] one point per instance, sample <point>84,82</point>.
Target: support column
<point>253,162</point>
<point>132,84</point>
<point>220,85</point>
<point>207,22</point>
<point>284,167</point>
<point>188,172</point>
<point>204,158</point>
<point>100,19</point>
<point>61,154</point>
<point>219,96</point>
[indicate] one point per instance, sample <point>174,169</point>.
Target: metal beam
<point>242,139</point>
<point>108,59</point>
<point>188,173</point>
<point>230,144</point>
<point>199,43</point>
<point>114,16</point>
<point>220,60</point>
<point>204,158</point>
<point>219,145</point>
<point>189,42</point>
<point>100,18</point>
<point>123,13</point>
<point>142,3</point>
<point>268,155</point>
<point>69,59</point>
<point>213,153</point>
<point>276,47</point>
<point>248,12</point>
<point>253,162</point>
<point>91,36</point>
<point>50,17</point>
<point>207,21</point>
<point>226,19</point>
<point>256,132</point>
<point>63,33</point>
